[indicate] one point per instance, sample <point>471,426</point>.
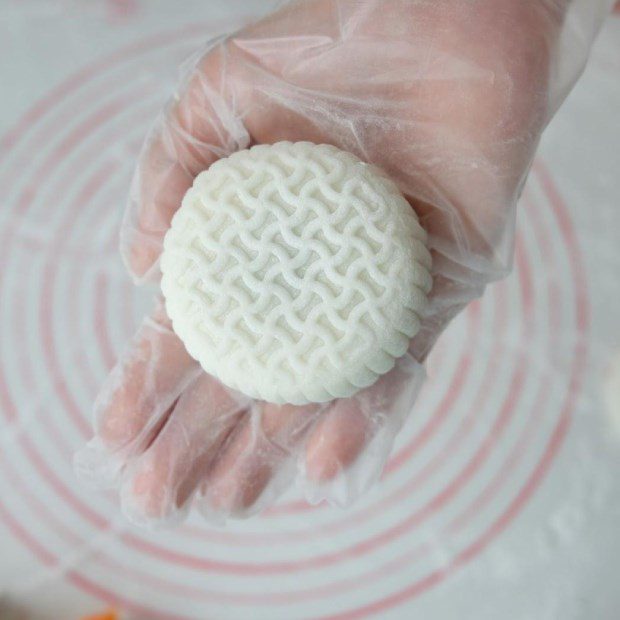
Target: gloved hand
<point>450,98</point>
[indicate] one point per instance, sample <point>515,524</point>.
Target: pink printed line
<point>557,438</point>
<point>76,276</point>
<point>25,536</point>
<point>24,201</point>
<point>37,506</point>
<point>494,486</point>
<point>46,315</point>
<point>566,227</point>
<point>107,62</point>
<point>421,586</point>
<point>87,585</point>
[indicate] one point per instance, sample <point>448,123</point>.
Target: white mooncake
<point>295,272</point>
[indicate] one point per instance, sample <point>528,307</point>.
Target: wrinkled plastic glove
<point>450,98</point>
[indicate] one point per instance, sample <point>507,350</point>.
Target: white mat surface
<point>502,499</point>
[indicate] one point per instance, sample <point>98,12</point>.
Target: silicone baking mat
<point>502,498</point>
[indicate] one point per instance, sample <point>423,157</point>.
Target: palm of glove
<point>450,99</point>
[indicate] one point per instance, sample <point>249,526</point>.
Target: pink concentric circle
<point>468,462</point>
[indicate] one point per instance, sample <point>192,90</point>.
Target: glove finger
<point>160,483</point>
<point>347,449</point>
<point>257,464</point>
<point>135,399</point>
<point>197,127</point>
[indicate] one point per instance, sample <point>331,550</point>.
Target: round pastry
<point>295,272</point>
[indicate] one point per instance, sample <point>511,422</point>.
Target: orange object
<point>106,615</point>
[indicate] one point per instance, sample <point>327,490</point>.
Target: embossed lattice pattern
<point>295,272</point>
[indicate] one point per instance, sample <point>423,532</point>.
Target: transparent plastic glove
<point>450,98</point>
